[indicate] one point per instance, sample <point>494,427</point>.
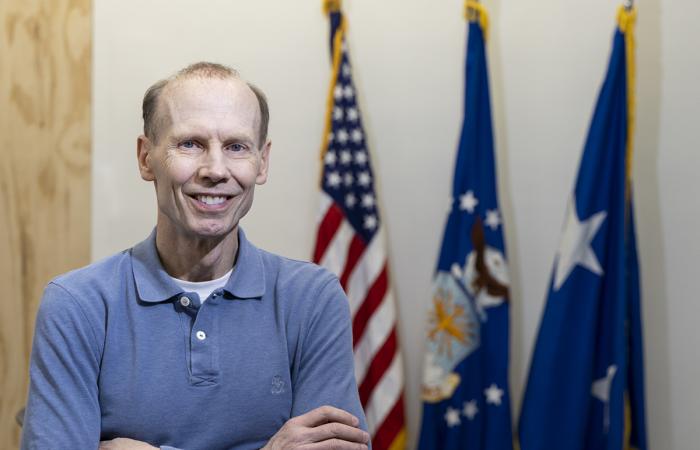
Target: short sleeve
<point>326,371</point>
<point>63,409</point>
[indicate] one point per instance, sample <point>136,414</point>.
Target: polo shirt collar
<point>155,285</point>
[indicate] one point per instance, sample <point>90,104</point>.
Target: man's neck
<point>193,258</point>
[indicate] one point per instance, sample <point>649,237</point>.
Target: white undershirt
<point>203,288</point>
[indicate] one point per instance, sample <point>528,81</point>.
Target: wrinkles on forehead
<point>197,103</point>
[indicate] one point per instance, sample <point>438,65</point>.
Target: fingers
<point>335,444</point>
<point>326,414</point>
<point>338,431</point>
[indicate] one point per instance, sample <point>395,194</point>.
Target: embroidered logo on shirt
<point>277,385</point>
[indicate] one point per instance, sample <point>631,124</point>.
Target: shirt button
<point>184,301</point>
<point>201,335</point>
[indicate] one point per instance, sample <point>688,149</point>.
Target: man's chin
<point>213,231</point>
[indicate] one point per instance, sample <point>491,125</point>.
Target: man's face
<point>207,159</point>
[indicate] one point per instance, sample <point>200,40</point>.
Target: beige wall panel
<point>45,79</point>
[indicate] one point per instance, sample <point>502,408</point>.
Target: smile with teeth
<point>211,199</point>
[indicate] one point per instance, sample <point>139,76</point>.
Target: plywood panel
<point>45,70</point>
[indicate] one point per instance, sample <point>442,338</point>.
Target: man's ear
<point>144,146</point>
<point>264,163</point>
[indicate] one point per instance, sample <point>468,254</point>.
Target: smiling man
<point>195,338</point>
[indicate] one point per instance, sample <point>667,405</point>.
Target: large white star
<point>452,417</point>
<point>493,218</point>
<point>467,202</point>
<point>470,409</point>
<point>493,394</point>
<point>575,246</point>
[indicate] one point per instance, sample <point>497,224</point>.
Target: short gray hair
<point>152,123</point>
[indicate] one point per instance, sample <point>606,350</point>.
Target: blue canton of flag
<point>466,403</point>
<point>347,175</point>
<point>585,389</point>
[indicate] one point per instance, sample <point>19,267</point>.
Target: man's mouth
<point>211,199</point>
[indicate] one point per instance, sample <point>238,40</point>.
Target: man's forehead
<point>196,98</point>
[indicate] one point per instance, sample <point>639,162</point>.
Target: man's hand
<point>125,444</point>
<point>322,428</point>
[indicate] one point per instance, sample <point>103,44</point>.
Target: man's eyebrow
<point>179,135</point>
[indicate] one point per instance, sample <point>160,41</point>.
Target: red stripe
<point>374,298</point>
<point>387,431</point>
<point>326,230</point>
<point>356,249</point>
<point>378,367</point>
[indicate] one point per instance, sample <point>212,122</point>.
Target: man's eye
<point>189,144</point>
<point>237,147</point>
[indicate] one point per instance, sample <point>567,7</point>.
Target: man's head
<point>205,147</point>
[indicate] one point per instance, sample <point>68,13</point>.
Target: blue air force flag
<point>465,396</point>
<point>585,389</point>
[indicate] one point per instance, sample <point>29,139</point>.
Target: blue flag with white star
<point>466,403</point>
<point>585,389</point>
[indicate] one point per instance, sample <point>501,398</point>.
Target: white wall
<point>547,61</point>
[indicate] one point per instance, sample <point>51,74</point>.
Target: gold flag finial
<point>475,11</point>
<point>330,6</point>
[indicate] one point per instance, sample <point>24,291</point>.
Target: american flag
<point>350,243</point>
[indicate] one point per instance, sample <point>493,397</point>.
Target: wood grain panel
<point>45,79</point>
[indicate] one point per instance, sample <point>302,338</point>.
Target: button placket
<point>204,351</point>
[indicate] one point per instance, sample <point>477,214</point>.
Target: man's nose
<point>213,166</point>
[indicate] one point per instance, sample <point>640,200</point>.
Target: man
<point>194,338</point>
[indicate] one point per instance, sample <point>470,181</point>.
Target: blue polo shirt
<point>121,351</point>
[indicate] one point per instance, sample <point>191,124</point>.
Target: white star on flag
<point>346,70</point>
<point>345,157</point>
<point>467,202</point>
<point>360,158</point>
<point>470,409</point>
<point>342,136</point>
<point>493,219</point>
<point>365,179</point>
<point>334,179</point>
<point>493,394</point>
<point>357,135</point>
<point>338,92</point>
<point>370,222</point>
<point>368,200</point>
<point>348,92</point>
<point>329,158</point>
<point>337,113</point>
<point>350,200</point>
<point>353,114</point>
<point>452,417</point>
<point>575,246</point>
